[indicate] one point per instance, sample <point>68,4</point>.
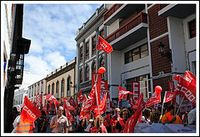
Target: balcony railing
<point>114,8</point>
<point>140,18</point>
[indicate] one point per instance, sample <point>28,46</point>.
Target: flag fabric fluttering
<point>103,45</point>
<point>170,96</point>
<point>187,86</point>
<point>122,92</point>
<point>131,122</point>
<point>27,117</point>
<point>102,107</point>
<point>155,98</point>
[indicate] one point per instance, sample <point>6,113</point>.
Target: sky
<point>52,29</point>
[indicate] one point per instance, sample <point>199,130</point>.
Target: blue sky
<point>52,30</point>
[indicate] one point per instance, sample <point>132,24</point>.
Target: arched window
<point>68,86</point>
<point>87,73</point>
<point>48,89</point>
<point>57,89</point>
<point>62,87</point>
<point>53,85</point>
<point>81,75</point>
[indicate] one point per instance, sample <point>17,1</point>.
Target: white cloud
<point>55,59</point>
<point>52,31</point>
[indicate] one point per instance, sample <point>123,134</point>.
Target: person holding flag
<point>59,123</point>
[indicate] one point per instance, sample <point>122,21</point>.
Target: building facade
<point>88,58</point>
<point>61,82</point>
<point>19,97</point>
<point>151,43</point>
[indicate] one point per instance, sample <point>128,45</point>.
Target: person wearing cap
<point>59,123</point>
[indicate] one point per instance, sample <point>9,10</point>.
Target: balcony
<point>112,10</point>
<point>178,10</point>
<point>121,11</point>
<point>131,32</point>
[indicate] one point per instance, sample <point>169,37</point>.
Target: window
<point>192,28</point>
<point>53,89</point>
<point>94,45</point>
<point>87,73</point>
<point>101,33</point>
<point>81,75</point>
<point>87,50</point>
<point>49,89</point>
<point>136,54</point>
<point>128,57</point>
<point>57,88</point>
<point>81,54</point>
<point>144,51</point>
<point>194,67</point>
<point>68,86</point>
<point>62,87</point>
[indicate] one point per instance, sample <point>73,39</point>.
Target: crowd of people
<point>112,121</point>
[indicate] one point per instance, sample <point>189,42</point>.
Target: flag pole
<point>180,105</point>
<point>96,92</point>
<point>162,107</point>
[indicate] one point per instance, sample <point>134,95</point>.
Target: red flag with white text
<point>187,86</point>
<point>29,112</point>
<point>103,45</point>
<point>170,96</point>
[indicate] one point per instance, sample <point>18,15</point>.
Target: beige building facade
<point>61,82</point>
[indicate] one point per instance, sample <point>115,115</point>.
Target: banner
<point>29,112</point>
<point>187,86</point>
<point>103,45</point>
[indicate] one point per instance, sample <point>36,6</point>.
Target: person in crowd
<point>192,117</point>
<point>49,117</point>
<point>91,124</point>
<point>96,128</point>
<point>16,120</point>
<point>107,121</point>
<point>184,118</point>
<point>169,116</point>
<point>115,121</point>
<point>146,116</point>
<point>81,126</point>
<point>59,123</point>
<point>42,123</point>
<point>154,115</point>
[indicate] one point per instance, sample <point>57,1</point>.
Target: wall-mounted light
<point>164,52</point>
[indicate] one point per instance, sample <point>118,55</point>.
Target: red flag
<point>29,112</point>
<point>169,96</point>
<point>131,122</point>
<point>102,107</point>
<point>103,45</point>
<point>73,102</point>
<point>68,106</point>
<point>69,115</point>
<point>187,86</point>
<point>155,98</point>
<point>80,97</point>
<point>86,107</point>
<point>123,92</point>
